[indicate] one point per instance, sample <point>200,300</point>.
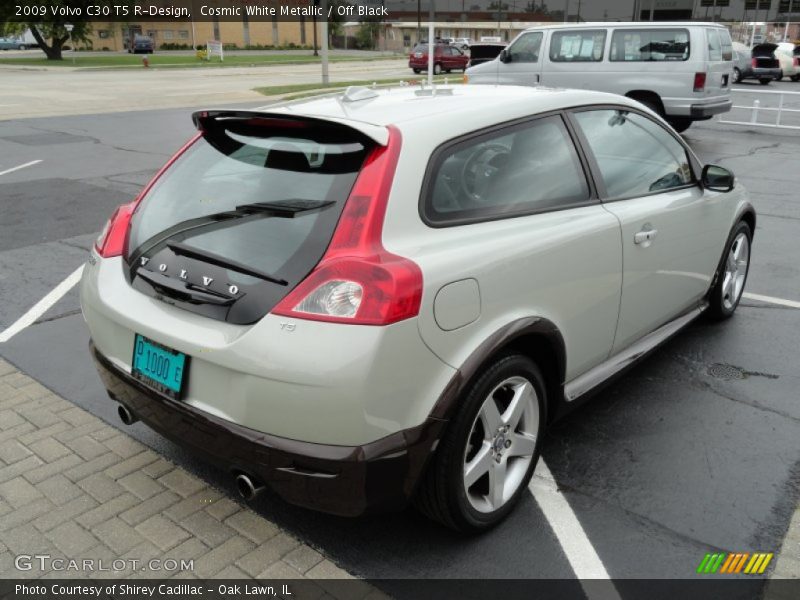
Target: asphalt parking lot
<point>694,451</point>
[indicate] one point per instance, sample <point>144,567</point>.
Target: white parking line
<point>772,300</point>
<point>580,553</point>
<point>17,168</point>
<point>41,307</point>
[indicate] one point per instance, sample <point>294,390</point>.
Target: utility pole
<point>431,42</point>
<point>419,21</point>
<point>325,77</point>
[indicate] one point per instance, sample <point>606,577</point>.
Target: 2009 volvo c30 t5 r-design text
<point>382,297</point>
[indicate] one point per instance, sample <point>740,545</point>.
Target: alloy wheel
<point>736,265</point>
<point>501,444</point>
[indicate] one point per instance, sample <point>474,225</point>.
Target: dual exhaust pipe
<point>126,415</point>
<point>247,486</point>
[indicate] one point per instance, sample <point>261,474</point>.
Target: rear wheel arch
<point>649,99</point>
<point>536,338</point>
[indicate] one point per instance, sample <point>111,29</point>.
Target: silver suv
<point>379,297</point>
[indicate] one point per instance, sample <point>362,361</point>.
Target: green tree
<point>335,23</point>
<point>50,29</point>
<point>367,34</point>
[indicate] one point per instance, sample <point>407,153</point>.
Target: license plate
<point>159,367</point>
<point>418,55</point>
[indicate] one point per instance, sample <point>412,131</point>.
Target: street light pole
<point>69,27</point>
<point>314,18</point>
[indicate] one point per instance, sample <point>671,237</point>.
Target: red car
<point>445,58</point>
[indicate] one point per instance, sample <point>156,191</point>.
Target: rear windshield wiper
<point>220,261</point>
<point>180,231</point>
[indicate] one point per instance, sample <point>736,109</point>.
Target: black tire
<point>765,81</point>
<point>22,47</point>
<point>795,77</point>
<point>779,77</point>
<point>416,71</point>
<point>737,75</point>
<point>442,495</point>
<point>680,124</point>
<point>718,308</point>
<point>653,103</point>
<point>437,69</point>
<point>447,70</point>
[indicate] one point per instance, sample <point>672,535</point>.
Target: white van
<point>682,70</point>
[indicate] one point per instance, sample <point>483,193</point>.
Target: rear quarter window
<point>649,45</point>
<point>523,169</point>
<point>726,44</point>
<point>714,46</point>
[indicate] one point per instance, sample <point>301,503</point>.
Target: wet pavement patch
<point>730,372</point>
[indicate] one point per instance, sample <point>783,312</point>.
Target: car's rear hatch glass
<point>244,214</point>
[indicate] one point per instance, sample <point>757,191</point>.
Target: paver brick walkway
<point>74,487</point>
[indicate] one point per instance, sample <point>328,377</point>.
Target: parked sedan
<point>12,44</point>
<point>385,297</point>
<point>759,63</point>
<point>445,58</point>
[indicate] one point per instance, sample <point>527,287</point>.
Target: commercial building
<point>115,36</point>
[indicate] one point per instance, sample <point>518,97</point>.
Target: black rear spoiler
<point>205,120</point>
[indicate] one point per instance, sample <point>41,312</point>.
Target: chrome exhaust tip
<point>247,488</point>
<point>125,415</point>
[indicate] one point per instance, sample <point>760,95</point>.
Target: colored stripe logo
<point>735,562</point>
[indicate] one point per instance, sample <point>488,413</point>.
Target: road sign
<point>214,47</point>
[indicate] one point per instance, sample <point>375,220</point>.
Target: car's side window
<point>526,48</point>
<point>518,170</point>
<point>636,156</point>
<point>577,46</point>
<point>726,44</point>
<point>714,47</point>
<point>637,45</point>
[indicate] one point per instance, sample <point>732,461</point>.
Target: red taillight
<point>754,63</point>
<point>113,238</point>
<point>111,241</point>
<point>796,62</point>
<point>699,82</point>
<point>358,281</point>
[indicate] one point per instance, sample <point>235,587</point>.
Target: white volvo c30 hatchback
<point>382,297</point>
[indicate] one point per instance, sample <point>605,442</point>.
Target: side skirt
<point>627,357</point>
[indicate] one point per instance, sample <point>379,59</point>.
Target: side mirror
<point>717,178</point>
<point>505,56</point>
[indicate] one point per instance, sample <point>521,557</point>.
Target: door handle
<point>645,236</point>
<point>536,78</point>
